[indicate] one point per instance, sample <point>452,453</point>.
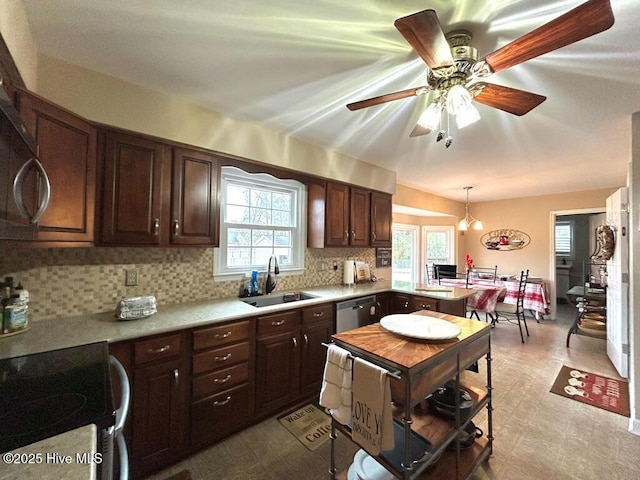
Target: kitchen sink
<point>277,299</point>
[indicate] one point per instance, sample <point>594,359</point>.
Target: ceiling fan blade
<point>419,130</point>
<point>423,32</point>
<point>507,99</point>
<point>389,97</point>
<point>590,18</point>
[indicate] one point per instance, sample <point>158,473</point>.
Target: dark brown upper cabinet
<point>347,211</point>
<point>67,150</point>
<point>134,176</point>
<point>340,215</point>
<point>381,219</point>
<point>154,194</point>
<point>195,205</point>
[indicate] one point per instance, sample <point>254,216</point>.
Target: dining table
<point>490,292</point>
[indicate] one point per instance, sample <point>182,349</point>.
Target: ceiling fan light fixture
<point>467,116</point>
<point>430,118</point>
<point>458,99</point>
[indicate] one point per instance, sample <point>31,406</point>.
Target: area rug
<point>586,387</point>
<point>310,425</point>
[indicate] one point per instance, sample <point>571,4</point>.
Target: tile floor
<point>538,435</point>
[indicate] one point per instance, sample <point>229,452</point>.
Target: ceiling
<point>293,66</point>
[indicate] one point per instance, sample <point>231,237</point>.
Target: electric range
<point>48,393</point>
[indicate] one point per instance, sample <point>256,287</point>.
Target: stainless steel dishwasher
<point>356,313</point>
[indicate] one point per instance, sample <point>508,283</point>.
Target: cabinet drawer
<point>423,303</point>
<point>278,323</point>
<point>319,312</point>
<point>220,358</point>
<point>216,382</point>
<point>217,416</point>
<point>159,348</point>
<point>220,335</point>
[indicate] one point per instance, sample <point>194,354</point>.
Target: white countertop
<point>80,330</point>
<point>63,456</point>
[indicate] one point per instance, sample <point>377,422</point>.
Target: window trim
<point>451,238</point>
<point>299,233</point>
<point>572,227</point>
<point>416,246</point>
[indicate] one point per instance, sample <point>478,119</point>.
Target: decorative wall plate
<point>505,239</point>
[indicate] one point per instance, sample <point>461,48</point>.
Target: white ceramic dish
<point>420,326</point>
<point>366,468</point>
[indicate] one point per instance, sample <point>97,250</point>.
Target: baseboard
<point>634,426</point>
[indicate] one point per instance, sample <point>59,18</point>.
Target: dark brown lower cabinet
<point>158,417</point>
<point>277,371</point>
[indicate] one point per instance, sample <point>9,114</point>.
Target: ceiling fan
<point>453,64</point>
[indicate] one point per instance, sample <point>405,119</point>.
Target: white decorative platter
<point>420,326</point>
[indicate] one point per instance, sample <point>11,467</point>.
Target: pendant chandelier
<point>468,221</point>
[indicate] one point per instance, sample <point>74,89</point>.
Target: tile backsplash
<point>76,281</point>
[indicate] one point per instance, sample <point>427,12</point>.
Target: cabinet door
<point>337,212</point>
<point>314,355</point>
<point>360,209</point>
<point>132,190</point>
<point>158,416</point>
<point>278,371</point>
<point>67,149</point>
<point>381,219</point>
<point>194,198</point>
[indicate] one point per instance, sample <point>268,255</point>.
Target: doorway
<point>569,250</point>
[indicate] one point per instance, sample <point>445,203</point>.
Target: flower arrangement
<point>469,261</point>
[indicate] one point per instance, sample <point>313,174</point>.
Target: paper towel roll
<point>348,278</point>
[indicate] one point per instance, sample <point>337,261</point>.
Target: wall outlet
<point>131,277</point>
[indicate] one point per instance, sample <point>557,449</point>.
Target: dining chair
<point>451,278</point>
<point>443,270</point>
<point>509,310</point>
<point>485,273</point>
<point>431,272</point>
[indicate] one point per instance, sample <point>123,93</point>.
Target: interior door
<point>618,283</point>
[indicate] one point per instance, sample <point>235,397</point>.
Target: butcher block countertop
<point>79,330</point>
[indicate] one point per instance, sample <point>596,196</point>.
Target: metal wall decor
<point>505,239</point>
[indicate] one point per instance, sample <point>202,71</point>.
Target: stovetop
<point>49,393</point>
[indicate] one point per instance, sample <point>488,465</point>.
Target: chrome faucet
<point>271,282</point>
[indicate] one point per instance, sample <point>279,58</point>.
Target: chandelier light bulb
<point>467,115</point>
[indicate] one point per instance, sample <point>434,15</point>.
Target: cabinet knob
<point>176,228</point>
<point>346,235</point>
<point>176,376</point>
<point>373,235</point>
<point>295,342</point>
<point>318,314</point>
<point>156,226</point>
<point>277,323</point>
<point>306,339</point>
<point>353,234</point>
<point>222,336</point>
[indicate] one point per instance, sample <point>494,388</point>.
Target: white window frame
<point>298,231</point>
<point>416,241</point>
<point>572,229</point>
<point>450,230</point>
